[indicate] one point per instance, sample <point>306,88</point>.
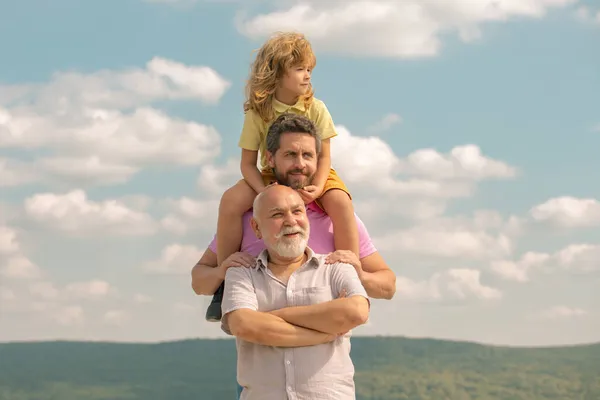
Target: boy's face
<point>295,163</point>
<point>296,80</point>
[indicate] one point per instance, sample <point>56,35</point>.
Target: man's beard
<point>297,182</point>
<point>291,247</point>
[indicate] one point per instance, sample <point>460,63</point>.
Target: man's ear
<point>270,159</point>
<point>255,228</point>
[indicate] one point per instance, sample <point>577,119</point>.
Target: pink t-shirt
<point>320,240</point>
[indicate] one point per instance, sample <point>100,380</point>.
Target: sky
<point>467,134</point>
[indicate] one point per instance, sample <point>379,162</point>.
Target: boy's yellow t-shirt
<point>254,131</point>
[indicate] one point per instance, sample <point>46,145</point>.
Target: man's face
<point>282,222</point>
<point>295,163</point>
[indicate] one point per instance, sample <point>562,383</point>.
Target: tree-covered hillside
<point>386,369</point>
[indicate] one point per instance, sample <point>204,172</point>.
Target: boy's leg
<point>338,205</point>
<point>234,203</point>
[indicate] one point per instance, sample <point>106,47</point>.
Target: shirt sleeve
<point>239,293</point>
<point>323,120</point>
<point>213,245</point>
<point>250,136</point>
<point>344,276</point>
<point>365,244</point>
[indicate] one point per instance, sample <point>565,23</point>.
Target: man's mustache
<point>290,231</point>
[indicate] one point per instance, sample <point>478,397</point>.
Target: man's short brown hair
<point>291,123</point>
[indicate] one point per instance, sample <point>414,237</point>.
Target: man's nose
<point>299,162</point>
<point>289,219</point>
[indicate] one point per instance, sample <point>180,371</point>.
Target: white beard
<point>291,247</point>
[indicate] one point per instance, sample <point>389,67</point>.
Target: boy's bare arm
<point>249,170</point>
<point>323,165</point>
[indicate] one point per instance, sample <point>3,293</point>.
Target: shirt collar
<point>282,107</point>
<point>262,261</point>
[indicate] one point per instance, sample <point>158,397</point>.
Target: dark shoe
<point>213,312</point>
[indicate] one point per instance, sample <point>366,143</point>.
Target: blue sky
<point>523,88</point>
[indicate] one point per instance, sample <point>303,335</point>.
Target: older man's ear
<point>255,228</point>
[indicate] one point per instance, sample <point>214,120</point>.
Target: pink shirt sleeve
<point>365,244</point>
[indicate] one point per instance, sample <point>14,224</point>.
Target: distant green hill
<point>386,369</point>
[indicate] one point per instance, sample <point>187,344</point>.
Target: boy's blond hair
<point>282,51</point>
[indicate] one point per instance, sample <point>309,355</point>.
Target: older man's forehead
<point>286,202</point>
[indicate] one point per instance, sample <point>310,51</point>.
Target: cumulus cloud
<point>385,123</point>
<point>15,173</point>
<point>161,79</point>
<point>175,259</point>
<point>100,128</point>
<point>563,312</point>
<point>389,28</point>
<point>74,213</point>
<point>481,237</point>
<point>574,258</point>
<point>568,212</point>
<point>454,284</point>
<point>187,215</point>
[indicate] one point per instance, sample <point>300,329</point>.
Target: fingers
<point>242,260</point>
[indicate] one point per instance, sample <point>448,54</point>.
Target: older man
<point>290,312</point>
<point>292,152</point>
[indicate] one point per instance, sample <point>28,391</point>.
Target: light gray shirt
<point>320,372</point>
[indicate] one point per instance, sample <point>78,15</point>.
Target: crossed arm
<point>290,326</point>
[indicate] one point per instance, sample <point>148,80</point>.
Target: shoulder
<point>238,274</point>
<point>317,105</point>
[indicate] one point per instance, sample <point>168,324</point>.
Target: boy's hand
<point>310,193</point>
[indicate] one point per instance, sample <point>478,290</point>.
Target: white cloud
<point>91,290</point>
<point>519,271</point>
<point>389,28</point>
<point>187,215</point>
<point>73,213</point>
<point>44,290</point>
<point>575,258</point>
<point>161,79</point>
<point>385,123</point>
<point>8,240</point>
<point>568,212</point>
<point>430,173</point>
<point>463,162</point>
<point>99,128</point>
<point>142,299</point>
<point>215,179</point>
<point>584,14</point>
<point>15,173</point>
<point>175,259</point>
<point>89,170</point>
<point>69,315</point>
<point>562,312</point>
<point>20,267</point>
<point>454,284</point>
<point>116,317</point>
<point>453,238</point>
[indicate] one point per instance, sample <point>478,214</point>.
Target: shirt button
<point>288,362</point>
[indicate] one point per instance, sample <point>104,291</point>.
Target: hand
<point>345,256</point>
<point>310,193</point>
<point>239,259</point>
